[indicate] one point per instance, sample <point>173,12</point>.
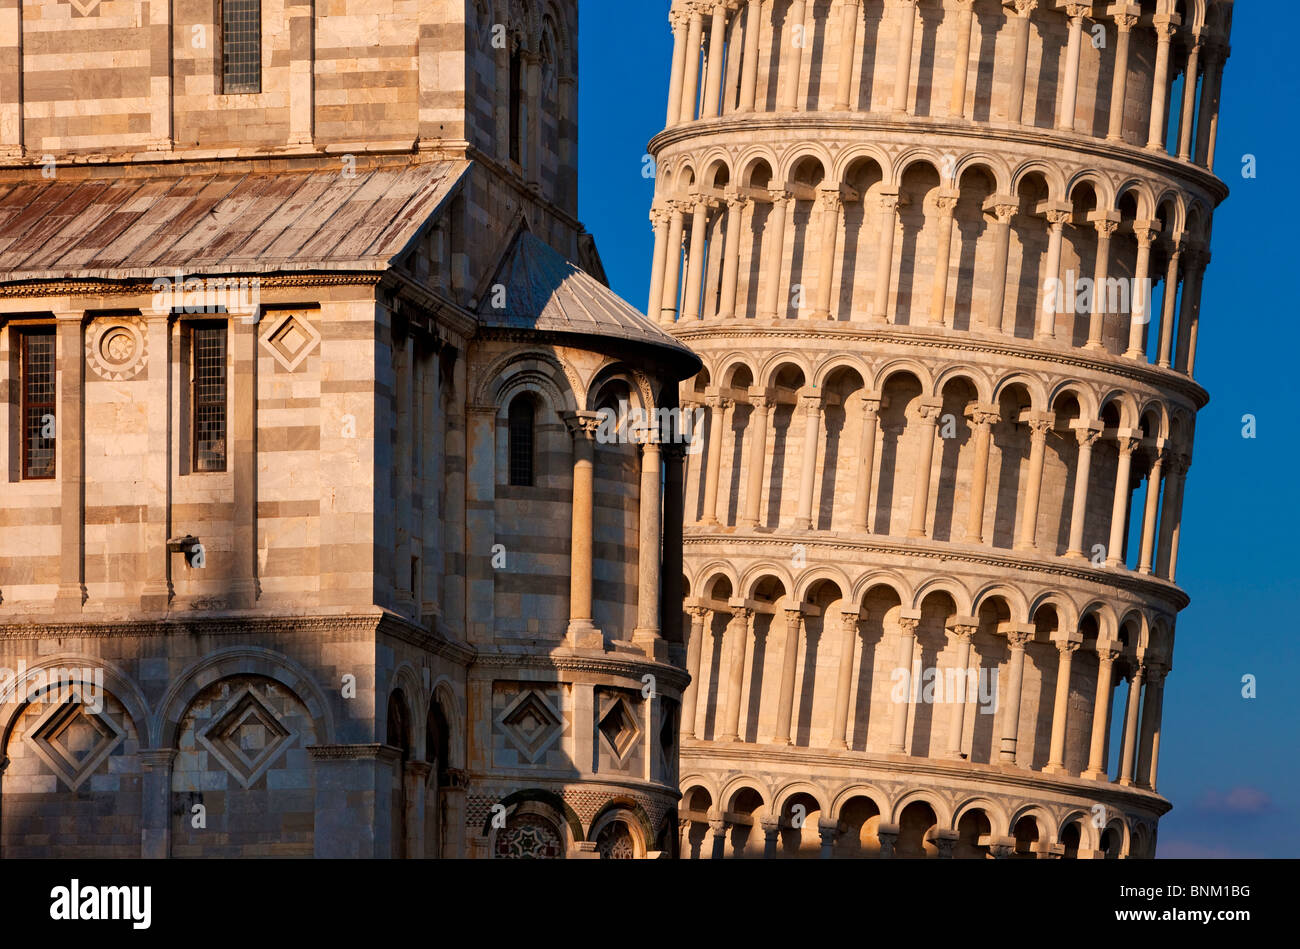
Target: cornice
<point>1154,376</point>
<point>62,288</point>
<point>1059,567</point>
<point>715,756</point>
<point>866,122</point>
<point>626,667</point>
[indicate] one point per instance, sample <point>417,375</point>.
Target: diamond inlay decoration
<point>290,339</point>
<point>618,726</point>
<point>531,724</point>
<point>74,739</point>
<point>246,737</point>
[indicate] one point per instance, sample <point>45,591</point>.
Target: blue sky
<point>1229,764</point>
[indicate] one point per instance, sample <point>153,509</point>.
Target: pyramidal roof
<point>546,292</point>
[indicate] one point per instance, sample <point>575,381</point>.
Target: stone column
<point>963,629</point>
<point>691,79</point>
<point>157,591</point>
<point>1174,480</point>
<point>1020,61</point>
<point>415,778</point>
<point>851,14</point>
<point>887,834</point>
<point>789,664</point>
<point>673,264</point>
<point>1124,23</point>
<point>771,836</point>
<point>1188,118</point>
<point>660,217</point>
<point>680,21</point>
<point>866,463</point>
<point>1207,127</point>
<point>717,433</point>
<point>1185,359</point>
<point>946,203</point>
<point>718,830</point>
<point>70,463</point>
<point>738,631</point>
<point>1058,215</point>
<point>832,205</point>
<point>907,625</point>
<point>1130,724</point>
<point>1164,358</point>
<point>1070,94</point>
<point>713,62</point>
<point>695,260</point>
<point>1145,232</point>
<point>1165,26</point>
<point>774,251</point>
<point>1004,208</point>
<point>828,830</point>
<point>982,419</point>
<point>791,61</point>
<point>1128,440</point>
<point>1039,426</point>
<point>961,63</point>
<point>758,421</point>
<point>650,534</point>
<point>674,455</point>
<point>903,70</point>
<point>533,161</point>
<point>929,416</point>
<point>1017,637</point>
<point>1149,747</point>
<point>302,78</point>
<point>582,426</point>
<point>1106,655</point>
<point>731,256</point>
<point>885,258</point>
<point>1106,222</point>
<point>1150,509</point>
<point>1066,647</point>
<point>690,697</point>
<point>155,803</point>
<point>848,643</point>
<point>1087,433</point>
<point>810,455</point>
<point>749,63</point>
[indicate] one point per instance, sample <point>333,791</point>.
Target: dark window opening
<point>522,420</point>
<point>38,418</point>
<point>241,46</point>
<point>208,396</point>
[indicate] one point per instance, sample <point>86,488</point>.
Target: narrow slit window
<point>516,105</point>
<point>208,402</point>
<point>241,46</point>
<point>522,418</point>
<point>38,408</point>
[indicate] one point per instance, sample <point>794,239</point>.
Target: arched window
<point>523,413</point>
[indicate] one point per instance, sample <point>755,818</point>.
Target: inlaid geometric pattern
<point>529,838</point>
<point>116,349</point>
<point>531,724</point>
<point>290,339</point>
<point>246,737</point>
<point>618,726</point>
<point>74,740</point>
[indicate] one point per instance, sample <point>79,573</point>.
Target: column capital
<point>929,408</point>
<point>1004,207</point>
<point>792,619</point>
<point>661,214</point>
<point>1166,25</point>
<point>889,201</point>
<point>1019,634</point>
<point>870,405</point>
<point>1126,19</point>
<point>1023,7</point>
<point>1087,432</point>
<point>1128,439</point>
<point>981,414</point>
<point>812,402</point>
<point>780,197</point>
<point>770,825</point>
<point>830,199</point>
<point>1077,11</point>
<point>583,425</point>
<point>1070,642</point>
<point>1040,423</point>
<point>1147,232</point>
<point>1179,462</point>
<point>1109,650</point>
<point>849,620</point>
<point>909,624</point>
<point>1105,225</point>
<point>699,612</point>
<point>963,632</point>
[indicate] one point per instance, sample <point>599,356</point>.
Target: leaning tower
<point>942,260</point>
